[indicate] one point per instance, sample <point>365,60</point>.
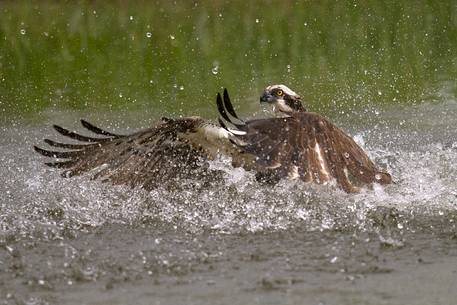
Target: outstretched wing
<point>148,158</point>
<point>304,145</point>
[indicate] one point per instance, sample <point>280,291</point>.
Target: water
<point>76,241</point>
<point>384,72</point>
<point>341,55</point>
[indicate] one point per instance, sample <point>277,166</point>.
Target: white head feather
<point>279,101</point>
<point>285,89</point>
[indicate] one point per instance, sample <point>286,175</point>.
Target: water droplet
<point>148,34</point>
<point>23,31</point>
<point>151,81</point>
<point>120,95</point>
<point>400,226</point>
<point>172,37</point>
<point>334,259</point>
<point>379,93</point>
<point>288,68</point>
<point>257,20</point>
<point>10,249</point>
<point>346,155</point>
<point>181,87</point>
<point>215,70</point>
<point>131,17</point>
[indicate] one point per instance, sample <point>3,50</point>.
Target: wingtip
<point>37,149</point>
<point>59,129</point>
<point>86,124</point>
<point>42,151</point>
<point>226,96</point>
<point>229,107</point>
<point>221,122</point>
<point>221,108</point>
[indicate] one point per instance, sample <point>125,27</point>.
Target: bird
<point>302,145</point>
<point>162,155</point>
<point>294,145</point>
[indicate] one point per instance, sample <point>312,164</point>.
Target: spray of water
<point>38,202</point>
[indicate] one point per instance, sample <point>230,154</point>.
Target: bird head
<point>283,98</point>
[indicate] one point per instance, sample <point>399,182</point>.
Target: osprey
<point>302,145</point>
<point>299,145</point>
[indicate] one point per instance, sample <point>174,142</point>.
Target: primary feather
<point>304,145</point>
<point>300,145</point>
<point>171,150</point>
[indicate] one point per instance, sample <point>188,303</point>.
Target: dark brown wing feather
<point>147,158</point>
<point>305,145</point>
<point>294,145</point>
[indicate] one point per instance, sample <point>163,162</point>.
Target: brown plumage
<point>301,145</point>
<point>148,158</point>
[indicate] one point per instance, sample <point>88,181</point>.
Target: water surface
<point>73,241</point>
<point>383,71</point>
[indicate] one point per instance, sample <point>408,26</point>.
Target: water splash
<point>39,203</point>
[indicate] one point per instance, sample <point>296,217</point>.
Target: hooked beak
<point>267,98</point>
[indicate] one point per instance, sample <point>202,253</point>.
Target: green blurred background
<point>173,57</point>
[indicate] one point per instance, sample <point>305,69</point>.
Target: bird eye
<point>279,93</point>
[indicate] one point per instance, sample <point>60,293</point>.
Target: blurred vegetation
<point>174,56</point>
